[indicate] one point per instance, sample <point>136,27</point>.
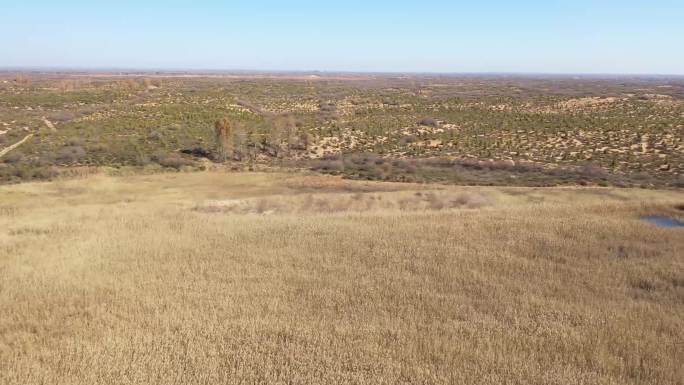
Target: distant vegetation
<point>627,131</point>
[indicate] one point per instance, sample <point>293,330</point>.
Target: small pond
<point>663,221</point>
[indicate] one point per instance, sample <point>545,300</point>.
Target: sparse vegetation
<point>626,127</point>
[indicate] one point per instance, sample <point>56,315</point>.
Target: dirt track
<point>6,150</point>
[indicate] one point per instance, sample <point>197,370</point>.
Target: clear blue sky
<point>573,36</point>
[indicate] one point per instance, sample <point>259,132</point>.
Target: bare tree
<point>224,139</point>
<point>240,142</point>
<point>284,128</point>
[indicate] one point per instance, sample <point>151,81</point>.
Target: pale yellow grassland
<point>131,280</point>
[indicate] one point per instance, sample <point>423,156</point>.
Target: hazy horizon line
<point>191,70</point>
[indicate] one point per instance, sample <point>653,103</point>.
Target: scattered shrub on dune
<point>70,154</point>
<point>62,116</point>
<point>13,157</point>
<point>75,141</point>
<point>427,121</point>
<point>171,160</point>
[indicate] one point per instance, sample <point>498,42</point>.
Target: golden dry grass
<point>123,281</point>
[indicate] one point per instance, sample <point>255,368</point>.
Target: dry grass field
<point>221,278</point>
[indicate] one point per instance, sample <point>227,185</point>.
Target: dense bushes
<point>70,154</point>
<point>172,160</point>
<point>465,171</point>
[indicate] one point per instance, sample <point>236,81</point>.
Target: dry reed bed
<point>150,292</point>
<point>348,203</point>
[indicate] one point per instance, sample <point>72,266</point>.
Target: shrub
<point>528,167</point>
<point>328,165</point>
<point>434,202</point>
<point>252,107</point>
<point>14,157</point>
<point>62,116</point>
<point>432,122</point>
<point>327,107</point>
<point>70,154</point>
<point>592,170</point>
<point>75,141</point>
<point>46,172</point>
<point>408,139</point>
<point>155,135</point>
<point>172,161</point>
<point>302,142</point>
<point>98,147</point>
<point>199,152</point>
<point>328,111</point>
<point>141,160</point>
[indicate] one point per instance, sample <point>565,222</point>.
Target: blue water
<point>663,221</point>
